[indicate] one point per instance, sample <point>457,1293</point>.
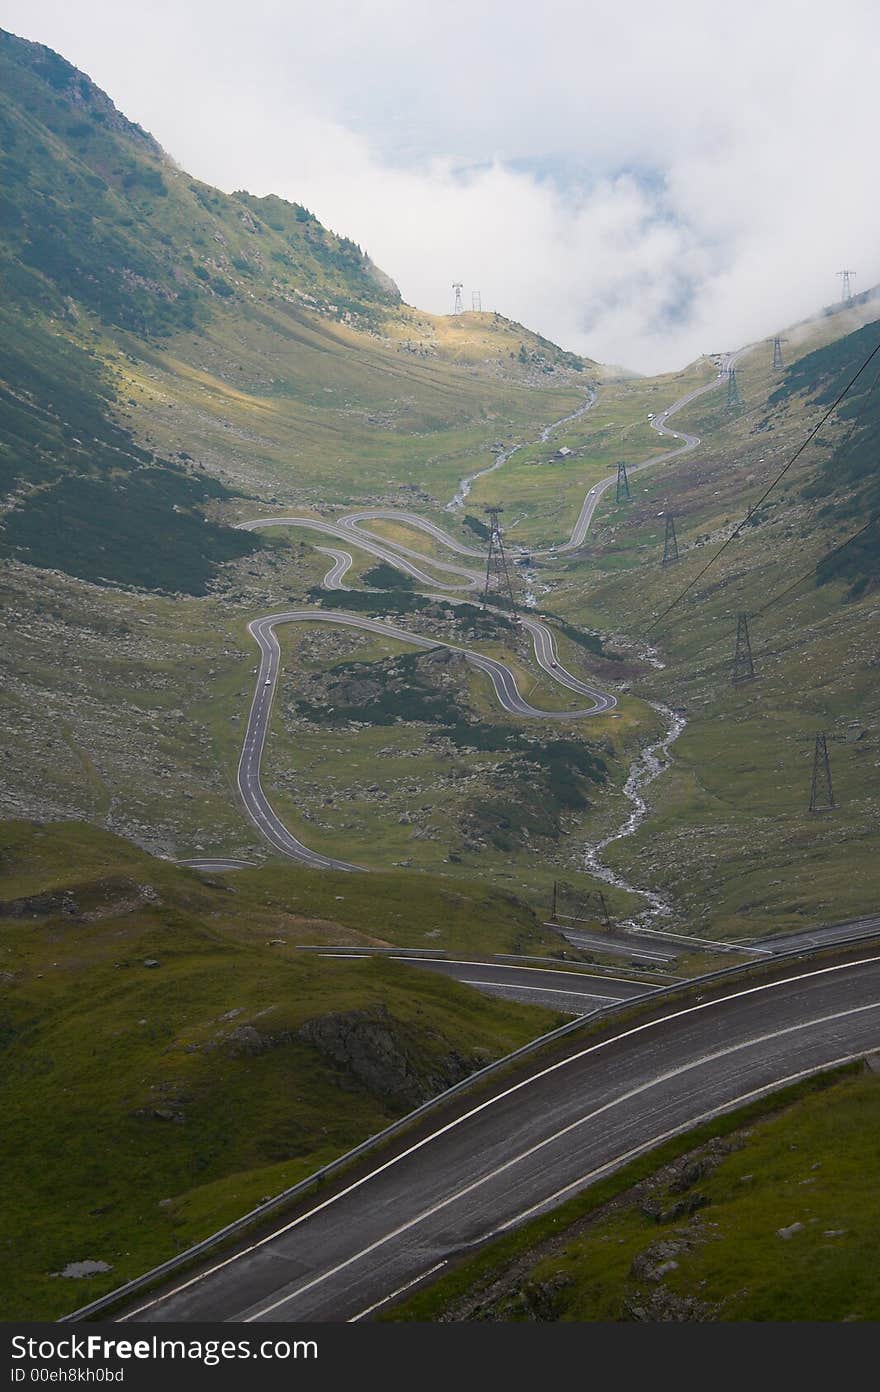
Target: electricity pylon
<point>743,668</point>
<point>670,543</point>
<point>496,560</point>
<point>847,277</point>
<point>821,790</point>
<point>623,493</point>
<point>778,364</point>
<point>733,397</point>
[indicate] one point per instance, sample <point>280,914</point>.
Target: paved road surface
<point>689,443</point>
<point>257,804</point>
<point>617,944</point>
<point>206,863</point>
<point>383,550</point>
<point>572,992</point>
<point>350,527</point>
<point>822,935</point>
<point>342,563</point>
<point>533,1144</point>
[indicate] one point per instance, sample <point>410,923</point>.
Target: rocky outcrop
<point>389,1058</point>
<point>114,895</point>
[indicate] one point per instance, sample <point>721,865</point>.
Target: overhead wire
<point>778,478</point>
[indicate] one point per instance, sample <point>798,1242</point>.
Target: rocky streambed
<point>650,763</point>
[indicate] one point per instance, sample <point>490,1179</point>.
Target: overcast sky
<point>641,183</point>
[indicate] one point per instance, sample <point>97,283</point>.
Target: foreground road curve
<point>535,1142</point>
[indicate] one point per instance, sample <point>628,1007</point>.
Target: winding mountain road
<point>256,803</point>
<point>351,528</point>
<point>572,992</point>
<point>487,1165</point>
<point>477,1166</point>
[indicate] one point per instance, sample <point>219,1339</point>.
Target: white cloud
<point>711,165</point>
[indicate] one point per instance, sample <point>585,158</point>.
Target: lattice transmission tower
<point>498,575</point>
<point>734,399</point>
<point>847,277</point>
<point>821,789</point>
<point>623,493</point>
<point>476,301</point>
<point>458,307</point>
<point>670,541</point>
<point>778,364</point>
<point>743,668</point>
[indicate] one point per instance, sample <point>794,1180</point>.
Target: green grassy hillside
<point>731,837</point>
<point>771,1214</point>
<point>169,1057</point>
<point>174,359</point>
<point>156,330</point>
<point>213,356</point>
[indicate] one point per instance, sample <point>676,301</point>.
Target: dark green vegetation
<point>477,526</point>
<point>169,1058</point>
<point>118,270</point>
<point>383,576</point>
<point>530,794</point>
<point>768,1214</point>
<point>89,499</point>
<point>91,205</point>
<point>473,621</point>
<point>730,839</point>
<point>849,481</point>
<point>525,796</point>
<point>591,641</point>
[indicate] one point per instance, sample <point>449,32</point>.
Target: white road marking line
<point>499,1097</point>
<point>676,1131</point>
<point>579,939</point>
<point>541,1145</point>
<point>545,990</point>
<point>575,975</point>
<point>394,1294</point>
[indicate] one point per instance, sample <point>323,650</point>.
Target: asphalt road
<point>217,863</point>
<point>619,944</point>
<point>350,528</point>
<point>573,992</point>
<point>822,935</point>
<point>342,563</point>
<point>532,1144</point>
<point>257,804</point>
<point>689,442</point>
<point>382,550</point>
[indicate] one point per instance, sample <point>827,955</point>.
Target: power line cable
<point>776,599</point>
<point>872,521</point>
<point>782,472</point>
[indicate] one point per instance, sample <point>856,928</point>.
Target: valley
<point>269,724</point>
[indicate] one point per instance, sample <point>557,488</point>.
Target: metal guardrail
<point>358,950</point>
<point>279,1200</point>
<point>428,954</point>
<point>644,977</point>
<point>372,1142</point>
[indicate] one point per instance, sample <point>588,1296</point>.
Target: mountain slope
<point>731,840</point>
<point>119,272</point>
